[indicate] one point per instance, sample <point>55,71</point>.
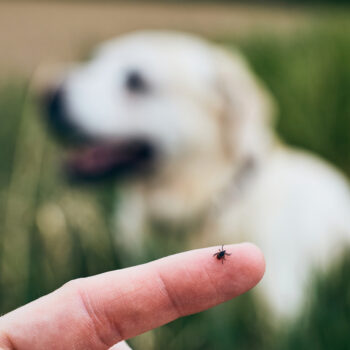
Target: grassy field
<point>51,232</point>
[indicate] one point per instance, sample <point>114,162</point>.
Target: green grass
<point>309,74</point>
<point>51,232</point>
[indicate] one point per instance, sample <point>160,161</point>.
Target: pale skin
<point>97,312</point>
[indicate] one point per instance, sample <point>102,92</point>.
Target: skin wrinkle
<point>131,295</point>
<point>134,297</point>
<point>191,274</point>
<point>213,285</point>
<point>122,298</point>
<point>6,339</point>
<point>169,295</point>
<point>125,298</point>
<point>96,322</point>
<point>115,326</point>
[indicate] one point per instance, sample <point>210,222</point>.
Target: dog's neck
<point>197,188</point>
<point>236,187</point>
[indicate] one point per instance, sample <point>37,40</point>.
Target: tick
<point>220,255</point>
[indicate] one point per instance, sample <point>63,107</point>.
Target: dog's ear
<point>248,108</point>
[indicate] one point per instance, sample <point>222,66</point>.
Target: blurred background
<point>52,232</point>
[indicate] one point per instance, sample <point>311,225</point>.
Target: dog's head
<point>148,99</point>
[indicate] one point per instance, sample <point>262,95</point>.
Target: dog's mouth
<point>99,160</point>
<point>91,158</point>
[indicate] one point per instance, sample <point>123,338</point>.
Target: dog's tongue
<point>102,159</point>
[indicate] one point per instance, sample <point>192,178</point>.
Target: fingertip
<point>242,269</point>
<point>255,261</point>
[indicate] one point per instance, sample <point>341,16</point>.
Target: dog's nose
<point>55,108</point>
<point>53,102</point>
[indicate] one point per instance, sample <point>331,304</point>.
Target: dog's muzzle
<point>90,158</point>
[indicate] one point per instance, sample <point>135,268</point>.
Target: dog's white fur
<point>212,120</point>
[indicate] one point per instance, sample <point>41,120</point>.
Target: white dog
<point>196,126</point>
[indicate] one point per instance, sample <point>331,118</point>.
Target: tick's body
<point>220,255</point>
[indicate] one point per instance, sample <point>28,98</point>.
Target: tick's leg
<point>215,254</point>
<point>222,247</point>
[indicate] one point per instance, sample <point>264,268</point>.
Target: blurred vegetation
<point>309,75</point>
<point>51,232</point>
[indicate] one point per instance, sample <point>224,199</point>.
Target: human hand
<point>96,312</point>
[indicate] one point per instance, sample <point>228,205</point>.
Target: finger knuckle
<point>98,326</point>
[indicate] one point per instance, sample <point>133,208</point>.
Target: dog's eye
<point>135,82</point>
